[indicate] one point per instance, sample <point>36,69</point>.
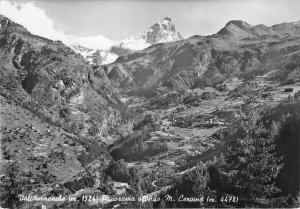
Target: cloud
<point>32,17</point>
<point>92,42</point>
<point>134,44</point>
<point>37,22</point>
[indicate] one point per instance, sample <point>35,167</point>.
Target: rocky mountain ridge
<point>56,80</point>
<point>241,29</point>
<point>239,50</point>
<point>160,32</point>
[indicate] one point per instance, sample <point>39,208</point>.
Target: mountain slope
<point>238,49</point>
<point>54,76</point>
<point>57,113</point>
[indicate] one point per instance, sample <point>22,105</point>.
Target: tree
<point>274,129</point>
<point>296,201</point>
<point>251,163</point>
<point>221,160</point>
<point>200,176</point>
<point>162,204</point>
<point>134,180</point>
<point>135,183</point>
<point>94,130</point>
<point>11,187</point>
<point>193,184</point>
<point>135,190</point>
<point>118,171</point>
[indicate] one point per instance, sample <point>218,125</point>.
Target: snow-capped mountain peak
<point>95,56</point>
<point>162,31</point>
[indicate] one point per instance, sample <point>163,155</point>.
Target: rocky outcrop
<point>162,31</point>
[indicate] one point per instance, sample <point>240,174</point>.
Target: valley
<point>198,116</point>
<point>185,131</point>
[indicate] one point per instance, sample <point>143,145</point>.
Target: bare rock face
<point>6,23</point>
<point>162,31</point>
<point>49,75</point>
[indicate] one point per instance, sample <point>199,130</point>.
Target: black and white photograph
<point>149,104</point>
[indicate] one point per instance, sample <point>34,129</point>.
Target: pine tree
<point>135,184</point>
<point>221,160</point>
<point>296,201</point>
<point>134,179</point>
<point>162,204</point>
<point>193,184</point>
<point>251,164</point>
<point>274,129</point>
<point>200,175</point>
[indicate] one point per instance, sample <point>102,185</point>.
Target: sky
<point>109,21</point>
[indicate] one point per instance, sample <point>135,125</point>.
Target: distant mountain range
<point>160,32</point>
<point>237,50</point>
